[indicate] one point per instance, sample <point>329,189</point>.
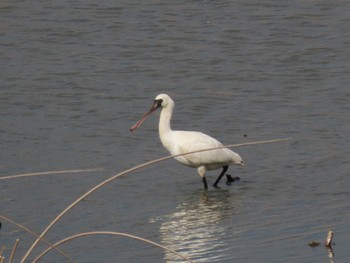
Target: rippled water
<point>75,75</point>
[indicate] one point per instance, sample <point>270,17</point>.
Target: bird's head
<point>238,160</point>
<point>161,101</point>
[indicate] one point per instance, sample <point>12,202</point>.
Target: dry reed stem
<point>2,250</point>
<point>329,239</point>
<point>137,167</point>
<point>50,172</point>
<point>36,235</point>
<point>13,250</point>
<point>111,233</point>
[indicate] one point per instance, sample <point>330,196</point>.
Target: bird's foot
<point>231,180</point>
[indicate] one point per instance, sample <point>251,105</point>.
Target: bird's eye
<point>158,102</point>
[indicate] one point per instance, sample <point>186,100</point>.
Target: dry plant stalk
<point>329,239</point>
<point>36,235</point>
<point>50,172</point>
<point>13,250</point>
<point>111,233</point>
<point>2,258</point>
<point>92,190</point>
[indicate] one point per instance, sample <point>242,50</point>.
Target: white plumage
<point>179,142</point>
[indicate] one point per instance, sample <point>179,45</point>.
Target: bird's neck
<point>164,121</point>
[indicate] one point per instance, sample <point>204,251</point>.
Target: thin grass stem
<point>13,250</point>
<point>2,250</point>
<point>50,172</point>
<point>37,236</point>
<point>137,167</point>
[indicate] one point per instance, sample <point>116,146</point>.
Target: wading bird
<point>179,142</point>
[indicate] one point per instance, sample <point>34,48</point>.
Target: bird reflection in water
<point>200,228</point>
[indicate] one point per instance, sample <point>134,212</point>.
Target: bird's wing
<point>193,141</point>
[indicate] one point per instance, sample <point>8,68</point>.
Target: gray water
<point>75,75</point>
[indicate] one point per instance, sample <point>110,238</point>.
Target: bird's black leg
<point>224,169</point>
<point>231,179</point>
<point>205,183</point>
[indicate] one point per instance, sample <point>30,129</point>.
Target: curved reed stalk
<point>13,250</point>
<point>50,172</point>
<point>111,233</point>
<point>2,250</point>
<point>135,168</point>
<point>37,236</point>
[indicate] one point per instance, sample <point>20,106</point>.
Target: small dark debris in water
<point>245,135</point>
<point>231,179</point>
<point>314,244</point>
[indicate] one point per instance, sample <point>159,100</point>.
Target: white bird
<point>179,142</point>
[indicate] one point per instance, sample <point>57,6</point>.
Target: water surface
<point>75,75</point>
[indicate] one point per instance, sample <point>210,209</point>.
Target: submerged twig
<point>92,190</point>
<point>51,172</point>
<point>328,244</point>
<point>111,233</point>
<point>329,239</point>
